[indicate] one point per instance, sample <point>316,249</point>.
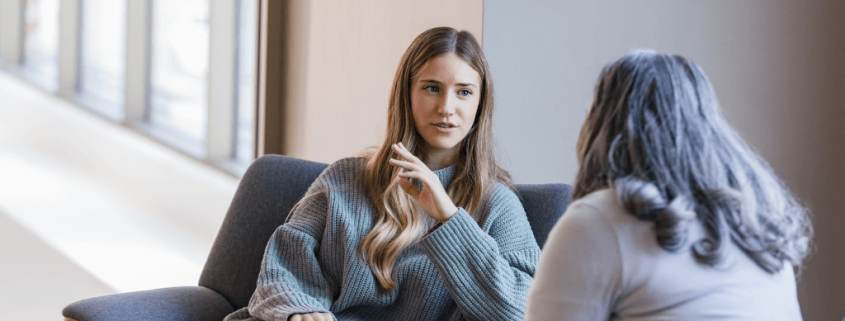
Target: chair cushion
<point>265,196</point>
<point>185,303</point>
<point>544,204</point>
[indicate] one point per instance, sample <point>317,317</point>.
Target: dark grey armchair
<point>268,190</point>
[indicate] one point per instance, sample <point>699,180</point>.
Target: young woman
<point>675,217</point>
<point>427,228</point>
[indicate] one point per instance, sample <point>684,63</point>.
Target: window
<point>41,18</point>
<point>179,72</point>
<point>102,71</point>
<point>245,116</point>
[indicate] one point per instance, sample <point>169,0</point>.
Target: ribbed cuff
<point>456,240</point>
<point>299,303</point>
<point>283,304</point>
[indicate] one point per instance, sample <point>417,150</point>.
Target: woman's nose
<point>447,107</point>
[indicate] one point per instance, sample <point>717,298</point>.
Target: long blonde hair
<point>400,223</point>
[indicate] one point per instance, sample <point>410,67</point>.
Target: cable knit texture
<point>470,268</point>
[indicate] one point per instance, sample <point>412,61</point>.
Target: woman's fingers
<point>427,179</point>
<point>414,174</point>
<point>406,154</point>
<point>432,198</point>
<point>404,164</point>
<point>414,170</point>
<point>409,188</point>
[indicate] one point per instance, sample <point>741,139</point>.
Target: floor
<point>38,281</point>
<point>90,207</point>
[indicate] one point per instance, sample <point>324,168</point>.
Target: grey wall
<point>777,67</point>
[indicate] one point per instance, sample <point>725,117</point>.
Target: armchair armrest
<point>178,303</point>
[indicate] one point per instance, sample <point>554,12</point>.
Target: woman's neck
<point>437,159</point>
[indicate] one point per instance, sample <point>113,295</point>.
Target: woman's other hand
<point>314,316</point>
<point>432,198</point>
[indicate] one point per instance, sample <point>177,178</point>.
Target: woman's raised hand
<point>432,198</point>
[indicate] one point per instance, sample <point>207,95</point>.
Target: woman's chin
<point>442,145</point>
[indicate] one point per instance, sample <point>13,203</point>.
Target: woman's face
<point>444,101</point>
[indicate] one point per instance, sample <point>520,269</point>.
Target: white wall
<point>777,68</point>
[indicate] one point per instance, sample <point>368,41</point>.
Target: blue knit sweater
<point>470,268</point>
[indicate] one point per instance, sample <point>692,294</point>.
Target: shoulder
<point>582,244</point>
<point>343,172</point>
<point>599,207</point>
<point>587,230</point>
<point>503,218</point>
<point>592,220</point>
<point>499,203</point>
<point>501,195</point>
<point>346,165</point>
<point>598,224</point>
<point>337,184</point>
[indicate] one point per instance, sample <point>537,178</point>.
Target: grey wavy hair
<point>654,134</point>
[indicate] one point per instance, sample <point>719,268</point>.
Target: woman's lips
<point>445,127</point>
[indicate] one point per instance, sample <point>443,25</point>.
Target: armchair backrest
<point>265,196</point>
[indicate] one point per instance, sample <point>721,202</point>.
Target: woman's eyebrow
<point>432,81</point>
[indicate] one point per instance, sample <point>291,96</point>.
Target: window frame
<point>220,145</point>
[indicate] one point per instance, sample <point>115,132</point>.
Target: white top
<point>601,263</point>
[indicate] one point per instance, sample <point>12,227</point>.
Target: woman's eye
<point>431,89</point>
<point>465,93</point>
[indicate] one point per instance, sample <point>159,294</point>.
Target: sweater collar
<point>446,175</point>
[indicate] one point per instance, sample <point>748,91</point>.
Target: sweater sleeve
<point>291,280</point>
<point>487,274</point>
<point>580,270</point>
